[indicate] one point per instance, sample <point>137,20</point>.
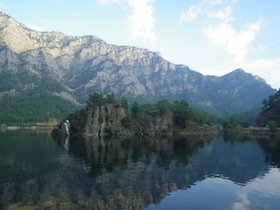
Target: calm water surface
<point>37,172</point>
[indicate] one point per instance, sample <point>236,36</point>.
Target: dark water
<point>37,172</point>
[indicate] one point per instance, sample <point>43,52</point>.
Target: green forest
<point>36,108</point>
<point>33,100</point>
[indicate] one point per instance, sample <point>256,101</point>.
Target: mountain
<point>71,68</point>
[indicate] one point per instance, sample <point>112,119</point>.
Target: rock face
<point>98,120</point>
<point>82,65</point>
<point>103,120</point>
<point>156,125</point>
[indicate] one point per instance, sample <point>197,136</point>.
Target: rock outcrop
<point>103,120</point>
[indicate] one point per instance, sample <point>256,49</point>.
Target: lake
<point>37,172</point>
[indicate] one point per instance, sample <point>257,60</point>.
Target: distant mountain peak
<point>241,74</point>
<point>239,70</point>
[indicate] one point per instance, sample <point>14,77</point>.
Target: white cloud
<point>200,9</point>
<point>189,15</point>
<point>218,28</point>
<point>235,42</point>
<point>141,20</point>
<point>192,12</point>
<point>265,68</point>
<point>224,14</point>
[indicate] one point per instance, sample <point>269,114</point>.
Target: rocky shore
<point>252,131</point>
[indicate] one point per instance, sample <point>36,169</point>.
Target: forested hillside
<point>34,108</point>
<point>271,110</point>
<point>31,99</point>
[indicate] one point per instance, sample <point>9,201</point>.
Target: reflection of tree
<point>236,139</point>
<point>269,144</point>
<point>241,160</point>
<point>271,149</point>
<point>103,155</point>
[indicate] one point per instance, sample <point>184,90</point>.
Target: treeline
<point>183,114</point>
<point>32,101</point>
<point>35,108</point>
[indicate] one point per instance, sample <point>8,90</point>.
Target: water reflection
<point>132,173</point>
<point>105,155</point>
<point>94,173</point>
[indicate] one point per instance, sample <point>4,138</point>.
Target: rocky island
<point>106,116</point>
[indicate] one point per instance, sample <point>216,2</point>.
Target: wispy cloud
<point>201,8</point>
<point>235,42</point>
<point>190,14</point>
<point>140,20</point>
<point>222,14</point>
<point>267,68</point>
<point>218,28</point>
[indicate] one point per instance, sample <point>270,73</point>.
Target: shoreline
<point>36,126</point>
<point>252,131</point>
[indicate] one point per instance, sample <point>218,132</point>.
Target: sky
<point>213,37</point>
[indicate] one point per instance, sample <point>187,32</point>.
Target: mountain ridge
<point>85,64</point>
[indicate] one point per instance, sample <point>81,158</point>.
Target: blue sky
<point>213,37</point>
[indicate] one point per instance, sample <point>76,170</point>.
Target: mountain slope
<point>82,65</point>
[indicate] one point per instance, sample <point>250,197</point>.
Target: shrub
<point>272,125</point>
<point>108,130</point>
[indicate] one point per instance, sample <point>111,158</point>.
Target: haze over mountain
<point>36,63</point>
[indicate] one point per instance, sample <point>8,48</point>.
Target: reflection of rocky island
<point>133,173</point>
